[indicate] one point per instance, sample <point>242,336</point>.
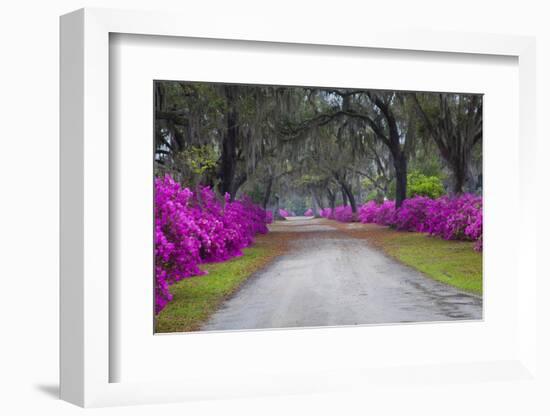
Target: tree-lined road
<point>330,278</point>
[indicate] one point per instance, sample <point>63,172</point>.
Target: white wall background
<point>29,205</point>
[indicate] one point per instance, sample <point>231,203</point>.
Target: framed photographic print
<point>336,203</point>
<point>266,189</point>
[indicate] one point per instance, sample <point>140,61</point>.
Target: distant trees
<point>325,146</point>
<point>387,115</point>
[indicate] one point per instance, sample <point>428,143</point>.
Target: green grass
<point>451,262</point>
<point>197,298</point>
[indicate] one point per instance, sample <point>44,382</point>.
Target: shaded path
<point>330,278</point>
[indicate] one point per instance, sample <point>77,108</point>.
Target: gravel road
<point>330,278</point>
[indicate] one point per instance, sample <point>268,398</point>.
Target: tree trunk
<point>393,141</point>
<point>332,200</point>
<point>267,193</point>
<point>319,201</point>
<point>459,178</point>
<point>351,199</point>
<point>347,190</point>
<point>236,184</point>
<point>314,205</point>
<point>344,197</point>
<point>400,164</point>
<point>228,161</point>
<point>277,215</point>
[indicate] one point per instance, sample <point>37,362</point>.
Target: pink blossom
<point>451,218</point>
<point>196,227</point>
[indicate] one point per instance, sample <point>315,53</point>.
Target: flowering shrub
<point>368,211</point>
<point>177,243</point>
<point>309,212</point>
<point>326,213</point>
<point>450,217</point>
<point>412,216</point>
<point>340,213</point>
<point>382,214</point>
<point>475,230</point>
<point>459,218</point>
<point>385,214</point>
<point>195,227</point>
<point>284,213</point>
<point>343,214</point>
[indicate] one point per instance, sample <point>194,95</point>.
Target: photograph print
<point>300,206</point>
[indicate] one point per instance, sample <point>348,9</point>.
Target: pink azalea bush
<point>309,212</point>
<point>368,211</point>
<point>326,213</point>
<point>343,214</point>
<point>413,215</point>
<point>475,230</point>
<point>385,213</point>
<point>340,213</point>
<point>451,218</point>
<point>196,227</point>
<point>382,214</point>
<point>284,213</point>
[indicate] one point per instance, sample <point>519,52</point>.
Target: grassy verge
<point>451,262</point>
<point>197,298</point>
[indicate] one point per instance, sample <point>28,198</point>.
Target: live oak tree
<point>233,119</point>
<point>377,111</point>
<point>454,122</point>
<point>314,147</point>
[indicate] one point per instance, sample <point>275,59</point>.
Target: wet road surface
<point>328,278</point>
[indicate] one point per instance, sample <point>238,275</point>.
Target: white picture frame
<point>85,351</point>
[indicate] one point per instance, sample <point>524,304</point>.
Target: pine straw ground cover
<point>448,261</point>
<point>196,298</point>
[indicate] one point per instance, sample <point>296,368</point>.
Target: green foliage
<point>419,184</point>
<point>309,179</point>
<point>366,183</point>
<point>372,192</point>
<point>200,159</point>
<point>256,193</point>
<point>373,196</point>
<point>427,162</point>
<point>297,205</point>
